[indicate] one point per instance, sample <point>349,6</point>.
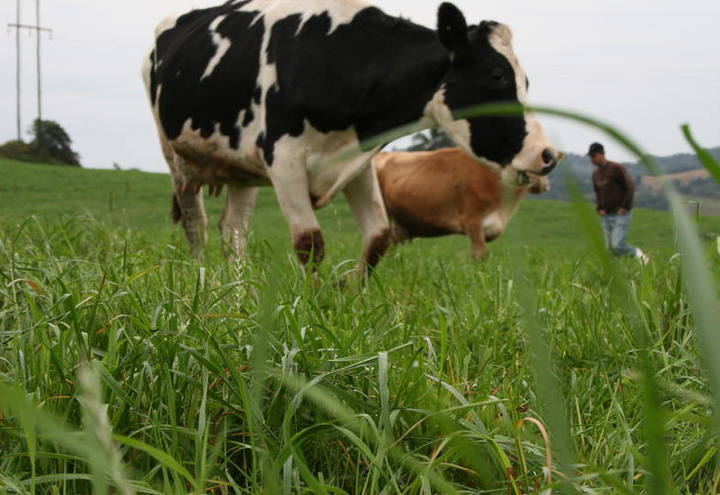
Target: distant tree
<point>51,141</point>
<point>18,150</point>
<point>431,139</point>
<point>50,144</point>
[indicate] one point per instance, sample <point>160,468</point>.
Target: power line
<point>109,44</point>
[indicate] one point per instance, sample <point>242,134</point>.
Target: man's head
<point>597,154</point>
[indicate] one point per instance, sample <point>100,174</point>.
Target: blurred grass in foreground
<point>129,367</point>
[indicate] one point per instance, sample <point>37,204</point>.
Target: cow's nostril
<point>548,156</point>
<point>550,161</point>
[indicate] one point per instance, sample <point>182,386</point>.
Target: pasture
<point>128,366</point>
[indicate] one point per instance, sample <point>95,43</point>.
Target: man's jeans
<point>615,228</point>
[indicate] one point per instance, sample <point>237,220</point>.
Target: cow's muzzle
<point>550,160</point>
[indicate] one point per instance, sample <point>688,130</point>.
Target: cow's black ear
<point>452,29</point>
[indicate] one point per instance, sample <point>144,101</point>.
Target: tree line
<point>50,144</point>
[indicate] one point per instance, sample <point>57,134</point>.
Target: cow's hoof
<point>309,246</point>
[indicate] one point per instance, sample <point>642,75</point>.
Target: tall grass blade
<point>99,432</point>
<point>703,155</point>
<point>163,458</point>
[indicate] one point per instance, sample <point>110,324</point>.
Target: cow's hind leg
<point>367,205</point>
<point>188,206</point>
<point>235,221</point>
<point>290,181</point>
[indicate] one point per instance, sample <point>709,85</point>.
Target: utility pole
<point>38,31</point>
<point>17,74</point>
<point>39,78</point>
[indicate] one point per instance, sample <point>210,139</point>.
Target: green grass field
<point>129,367</point>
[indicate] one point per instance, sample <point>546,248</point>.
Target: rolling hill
<point>684,169</point>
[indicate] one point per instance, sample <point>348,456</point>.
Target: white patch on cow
<point>235,222</point>
<point>458,130</point>
<point>339,11</point>
<point>166,24</point>
<point>311,168</point>
<point>331,160</point>
<point>438,111</point>
<point>368,207</point>
<point>146,70</point>
<point>501,40</point>
<point>290,180</point>
<point>272,11</point>
<point>267,79</point>
<point>338,172</point>
<point>222,44</point>
<point>267,76</point>
<point>217,149</point>
<point>494,224</point>
<point>530,156</point>
<point>158,94</point>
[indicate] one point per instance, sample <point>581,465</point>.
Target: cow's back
<point>204,73</point>
<point>244,75</point>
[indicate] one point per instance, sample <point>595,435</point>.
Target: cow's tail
<point>175,212</point>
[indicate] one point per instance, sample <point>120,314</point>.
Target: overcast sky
<point>645,65</point>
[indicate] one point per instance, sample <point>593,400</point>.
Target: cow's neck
<point>511,196</point>
<point>409,95</point>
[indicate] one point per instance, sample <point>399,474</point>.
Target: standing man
<point>614,191</point>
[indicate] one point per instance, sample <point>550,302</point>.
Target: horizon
<point>712,149</point>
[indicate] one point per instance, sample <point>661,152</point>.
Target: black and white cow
<point>264,92</point>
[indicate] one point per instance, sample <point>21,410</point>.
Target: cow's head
<point>539,184</point>
<point>523,182</point>
<point>484,69</point>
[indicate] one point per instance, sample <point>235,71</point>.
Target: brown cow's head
<point>539,184</point>
<point>523,182</point>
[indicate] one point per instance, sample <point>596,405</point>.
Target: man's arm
<point>597,196</point>
<point>628,186</point>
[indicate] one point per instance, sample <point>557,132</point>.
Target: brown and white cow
<point>435,193</point>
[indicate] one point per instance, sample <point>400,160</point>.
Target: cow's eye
<point>500,76</point>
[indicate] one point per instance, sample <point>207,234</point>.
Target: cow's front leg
<point>235,221</point>
<point>290,181</point>
<point>476,233</point>
<point>189,209</point>
<point>366,203</point>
